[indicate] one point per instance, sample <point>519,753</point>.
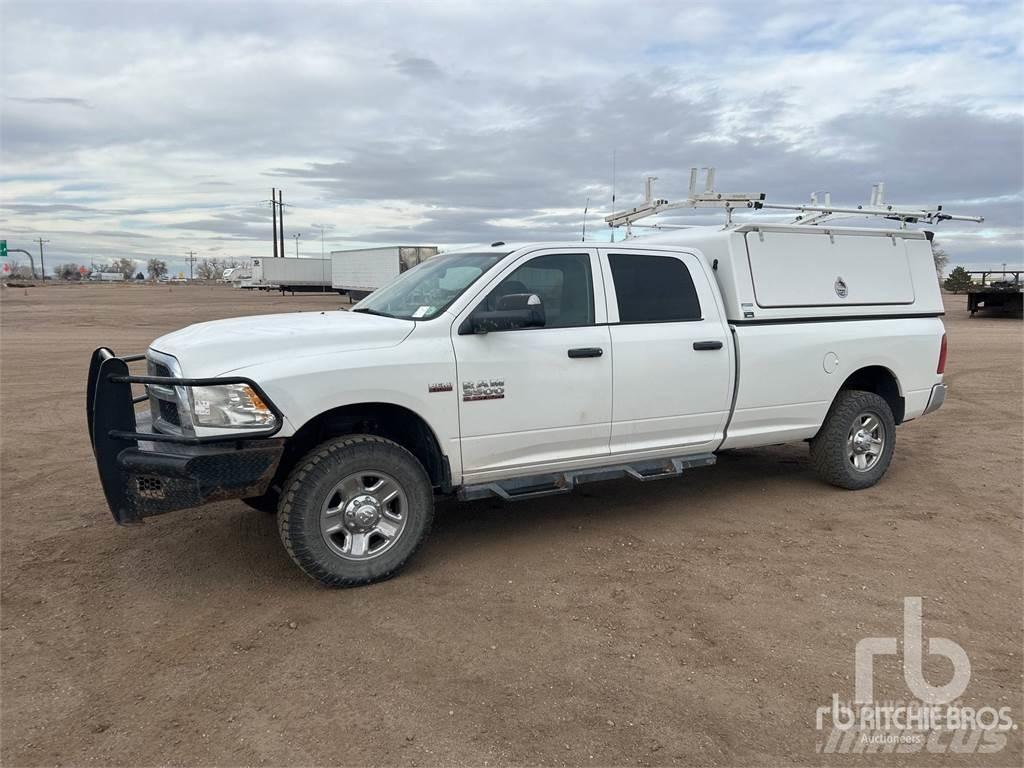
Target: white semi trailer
<point>361,271</point>
<point>290,275</point>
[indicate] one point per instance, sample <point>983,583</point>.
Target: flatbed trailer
<point>1003,295</point>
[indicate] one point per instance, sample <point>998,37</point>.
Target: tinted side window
<point>653,289</point>
<point>562,281</point>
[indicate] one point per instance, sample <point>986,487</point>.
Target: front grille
<point>168,412</point>
<point>158,369</point>
<point>163,401</point>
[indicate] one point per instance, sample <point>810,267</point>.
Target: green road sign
<point>3,249</point>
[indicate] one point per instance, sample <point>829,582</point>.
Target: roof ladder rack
<point>813,213</point>
<point>875,207</point>
<point>706,198</point>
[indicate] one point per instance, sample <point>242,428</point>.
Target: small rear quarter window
<point>653,289</point>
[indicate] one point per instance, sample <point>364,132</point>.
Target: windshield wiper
<point>369,311</point>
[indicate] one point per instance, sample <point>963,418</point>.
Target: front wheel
<point>854,447</point>
<point>355,509</point>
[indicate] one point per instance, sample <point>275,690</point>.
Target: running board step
<point>533,486</point>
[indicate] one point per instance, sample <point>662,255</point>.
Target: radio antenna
<point>614,151</point>
<point>586,206</point>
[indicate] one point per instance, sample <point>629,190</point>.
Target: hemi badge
<point>446,387</point>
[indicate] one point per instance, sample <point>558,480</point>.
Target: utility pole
<point>42,264</point>
<point>280,205</point>
<point>277,210</point>
<point>191,261</point>
<point>273,211</point>
<point>296,238</point>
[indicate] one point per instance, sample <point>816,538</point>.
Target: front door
<point>532,398</point>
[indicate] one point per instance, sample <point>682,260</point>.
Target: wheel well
<point>393,422</point>
<point>881,381</point>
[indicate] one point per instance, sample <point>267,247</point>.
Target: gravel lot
<point>698,621</point>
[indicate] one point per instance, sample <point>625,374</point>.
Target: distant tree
<point>123,265</point>
<point>208,269</point>
<point>68,271</point>
<point>17,269</point>
<point>940,256</point>
<point>156,268</point>
<point>958,280</point>
<point>139,276</point>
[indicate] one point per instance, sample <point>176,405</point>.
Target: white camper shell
<point>783,272</point>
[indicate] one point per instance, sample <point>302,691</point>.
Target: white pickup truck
<point>521,371</point>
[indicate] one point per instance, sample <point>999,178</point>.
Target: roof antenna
<point>614,151</point>
<point>586,206</point>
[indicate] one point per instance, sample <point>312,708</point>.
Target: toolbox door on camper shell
<point>818,268</point>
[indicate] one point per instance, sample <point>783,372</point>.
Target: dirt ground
<point>699,621</point>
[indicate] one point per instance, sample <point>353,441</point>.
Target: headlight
<point>229,405</point>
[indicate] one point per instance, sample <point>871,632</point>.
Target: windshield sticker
<point>422,311</point>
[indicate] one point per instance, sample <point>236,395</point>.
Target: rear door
<point>533,398</point>
<point>673,370</point>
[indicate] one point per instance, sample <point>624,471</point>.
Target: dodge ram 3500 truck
<point>521,371</point>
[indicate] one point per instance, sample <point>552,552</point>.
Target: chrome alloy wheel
<point>364,515</point>
<point>866,441</point>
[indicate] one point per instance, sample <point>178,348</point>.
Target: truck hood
<point>221,346</point>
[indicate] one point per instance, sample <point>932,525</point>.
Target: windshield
<point>429,288</point>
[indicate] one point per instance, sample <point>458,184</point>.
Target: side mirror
<point>515,310</point>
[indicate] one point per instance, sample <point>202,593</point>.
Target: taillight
<point>941,367</point>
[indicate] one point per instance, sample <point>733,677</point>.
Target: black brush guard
<point>147,473</point>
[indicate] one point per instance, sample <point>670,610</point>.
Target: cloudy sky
<point>148,129</point>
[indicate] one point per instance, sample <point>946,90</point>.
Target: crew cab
<point>516,371</point>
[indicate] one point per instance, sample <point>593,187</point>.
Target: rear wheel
<point>854,447</point>
<point>355,509</point>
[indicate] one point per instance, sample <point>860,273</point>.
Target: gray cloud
<point>418,67</point>
<point>67,209</point>
<point>59,100</point>
<point>432,122</point>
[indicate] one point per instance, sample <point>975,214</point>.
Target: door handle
<point>702,345</point>
<point>586,352</point>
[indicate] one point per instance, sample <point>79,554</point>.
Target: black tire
<point>266,503</point>
<point>830,448</point>
<point>313,484</point>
